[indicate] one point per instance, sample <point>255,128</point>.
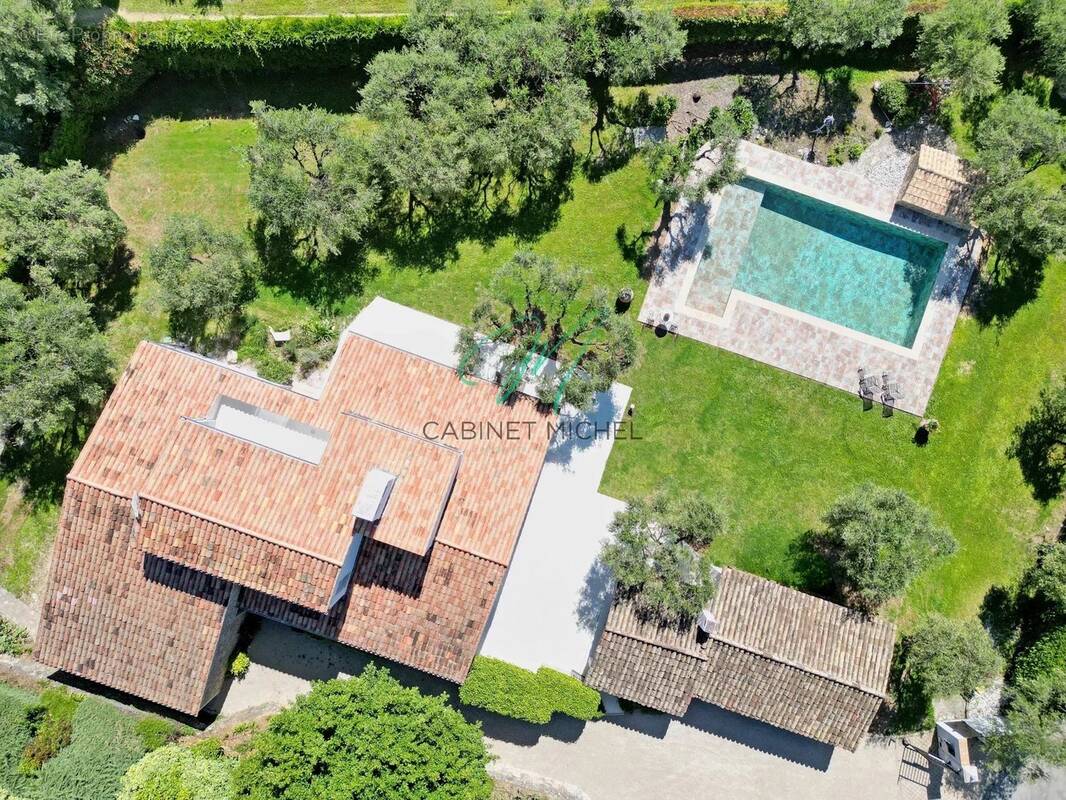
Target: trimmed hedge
<point>511,691</point>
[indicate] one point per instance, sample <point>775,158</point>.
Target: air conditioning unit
<point>373,495</point>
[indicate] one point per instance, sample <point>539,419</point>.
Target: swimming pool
<point>817,258</point>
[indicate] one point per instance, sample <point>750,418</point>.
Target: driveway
<point>708,753</point>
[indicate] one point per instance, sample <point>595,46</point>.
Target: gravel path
<point>886,160</point>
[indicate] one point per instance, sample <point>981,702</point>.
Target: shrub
<point>949,656</point>
<point>207,748</point>
<point>177,773</point>
<point>366,737</point>
<point>103,746</point>
<point>1046,657</point>
<point>511,691</point>
<point>272,368</point>
<point>157,731</point>
<point>257,348</point>
<point>16,731</point>
<point>238,667</point>
<point>53,725</point>
<point>743,113</point>
<point>14,639</point>
<point>891,97</point>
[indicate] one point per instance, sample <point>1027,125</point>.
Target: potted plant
<point>625,297</point>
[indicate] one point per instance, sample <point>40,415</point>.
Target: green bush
<point>52,722</point>
<point>366,737</point>
<point>103,746</point>
<point>16,730</point>
<point>14,639</point>
<point>892,96</point>
<point>157,731</point>
<point>177,773</point>
<point>238,667</point>
<point>207,748</point>
<point>511,691</point>
<point>1046,657</point>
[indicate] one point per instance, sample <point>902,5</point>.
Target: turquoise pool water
<point>824,260</point>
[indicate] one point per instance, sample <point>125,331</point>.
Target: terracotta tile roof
<point>279,524</point>
<point>235,555</point>
<point>120,618</point>
<point>939,184</point>
<point>778,655</point>
<point>428,612</point>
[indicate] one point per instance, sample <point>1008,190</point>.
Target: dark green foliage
<point>531,696</point>
<point>14,639</point>
<point>157,731</point>
<point>1049,29</point>
<point>643,111</point>
<point>1039,443</point>
<point>1045,658</point>
<point>206,275</point>
<point>1042,592</point>
<point>312,344</point>
<point>549,311</point>
<point>1033,736</point>
<point>653,556</point>
<point>57,226</point>
<point>891,97</point>
<point>54,364</point>
<point>1019,136</point>
<point>949,656</point>
<point>877,540</point>
<point>366,737</point>
<point>53,724</point>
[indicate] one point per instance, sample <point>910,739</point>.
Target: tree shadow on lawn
<point>997,296</point>
<point>221,96</point>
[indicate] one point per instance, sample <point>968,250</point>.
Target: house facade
<point>204,494</point>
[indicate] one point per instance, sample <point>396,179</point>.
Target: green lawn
<point>773,448</point>
<point>26,532</point>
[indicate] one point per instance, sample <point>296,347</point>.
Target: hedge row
<point>531,696</point>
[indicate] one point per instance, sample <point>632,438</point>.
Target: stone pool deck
<point>792,340</point>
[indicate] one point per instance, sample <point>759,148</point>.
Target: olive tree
<point>311,180</point>
<point>1039,443</point>
<point>949,656</point>
<point>1049,29</point>
<point>206,275</point>
<point>57,226</point>
<point>1019,136</point>
<point>843,25</point>
<point>878,540</point>
<point>654,554</point>
<point>366,737</point>
<point>956,44</point>
<point>546,310</point>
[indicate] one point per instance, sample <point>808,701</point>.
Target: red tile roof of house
<point>279,526</point>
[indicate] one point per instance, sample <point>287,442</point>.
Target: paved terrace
<point>792,340</point>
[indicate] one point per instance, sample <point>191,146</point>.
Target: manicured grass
<point>773,448</point>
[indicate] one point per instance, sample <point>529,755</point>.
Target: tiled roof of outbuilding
<point>939,184</point>
<point>778,655</point>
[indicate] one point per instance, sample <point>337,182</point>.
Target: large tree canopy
<point>957,44</point>
<point>310,180</point>
<point>652,554</point>
<point>1049,27</point>
<point>57,226</point>
<point>366,737</point>
<point>844,24</point>
<point>624,45</point>
<point>949,656</point>
<point>54,363</point>
<point>878,540</point>
<point>1018,136</point>
<point>1039,444</point>
<point>206,275</point>
<point>476,96</point>
<point>36,60</point>
<point>546,310</point>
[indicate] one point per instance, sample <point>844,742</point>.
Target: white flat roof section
<point>556,594</point>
